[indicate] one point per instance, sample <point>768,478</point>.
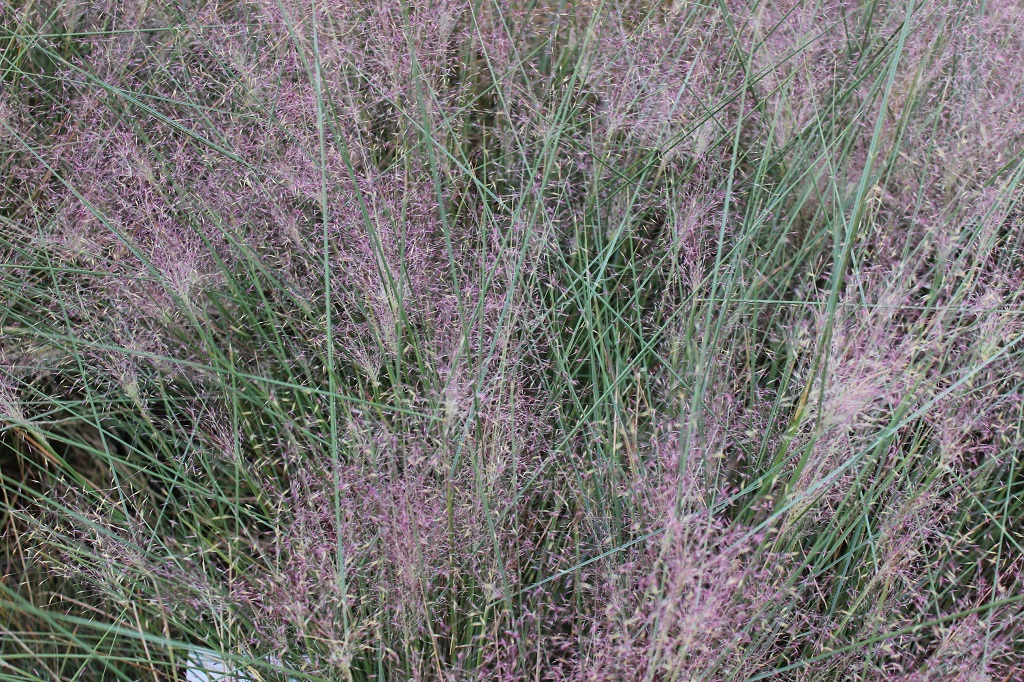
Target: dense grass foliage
<point>512,339</point>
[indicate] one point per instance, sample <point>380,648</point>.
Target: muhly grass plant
<point>512,340</point>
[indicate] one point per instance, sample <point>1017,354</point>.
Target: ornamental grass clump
<point>511,340</point>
